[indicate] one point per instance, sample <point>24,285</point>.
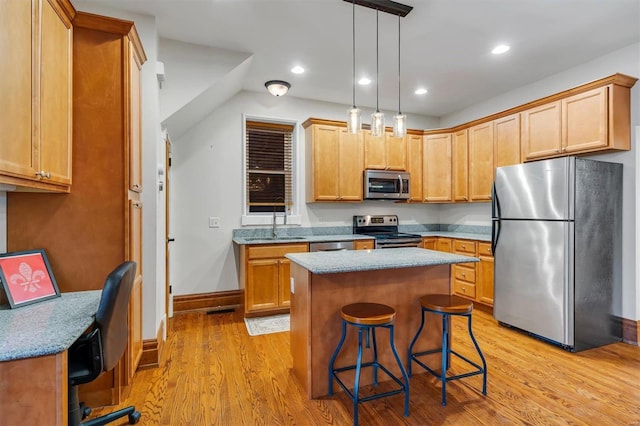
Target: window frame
<point>293,213</point>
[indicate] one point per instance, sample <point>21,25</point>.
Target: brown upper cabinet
<point>36,91</point>
<point>460,165</point>
<point>385,152</point>
<point>414,165</point>
<point>436,186</point>
<point>481,161</point>
<point>594,117</point>
<point>334,162</point>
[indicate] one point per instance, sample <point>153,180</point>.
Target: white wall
<point>153,219</point>
<point>206,180</point>
<point>625,61</point>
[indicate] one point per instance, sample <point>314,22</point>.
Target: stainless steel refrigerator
<point>557,227</point>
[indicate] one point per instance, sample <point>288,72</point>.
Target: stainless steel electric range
<point>384,229</point>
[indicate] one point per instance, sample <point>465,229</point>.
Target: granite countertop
<point>299,239</point>
<point>329,262</point>
<point>455,234</point>
<point>48,327</point>
<point>351,237</point>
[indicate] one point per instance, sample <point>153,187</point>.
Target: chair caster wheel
<point>134,417</point>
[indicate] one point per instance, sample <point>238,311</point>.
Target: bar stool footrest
<point>370,397</point>
<point>479,370</point>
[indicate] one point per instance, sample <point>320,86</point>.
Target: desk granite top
<point>330,262</point>
<point>48,327</point>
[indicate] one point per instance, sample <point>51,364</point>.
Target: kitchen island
<point>323,282</point>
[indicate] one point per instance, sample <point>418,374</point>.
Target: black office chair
<point>102,348</point>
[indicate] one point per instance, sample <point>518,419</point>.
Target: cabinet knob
<point>464,275</point>
<point>43,174</point>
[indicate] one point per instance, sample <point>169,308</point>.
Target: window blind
<point>268,166</point>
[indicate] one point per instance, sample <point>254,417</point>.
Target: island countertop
<point>330,262</point>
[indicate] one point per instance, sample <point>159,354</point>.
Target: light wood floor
<point>214,373</point>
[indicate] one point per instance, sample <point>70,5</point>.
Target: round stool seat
<point>368,313</point>
<point>446,304</point>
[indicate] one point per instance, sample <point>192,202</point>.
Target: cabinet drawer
<point>464,288</point>
<point>363,245</point>
<point>275,250</point>
<point>484,249</point>
<point>464,246</point>
<point>463,273</point>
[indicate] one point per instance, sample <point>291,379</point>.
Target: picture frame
<point>27,278</point>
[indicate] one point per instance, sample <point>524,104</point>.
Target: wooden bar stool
<point>447,306</point>
<point>367,317</point>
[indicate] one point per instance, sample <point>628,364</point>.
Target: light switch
<point>214,222</point>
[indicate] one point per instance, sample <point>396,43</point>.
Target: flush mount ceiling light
<point>377,118</point>
<point>277,87</point>
<point>421,91</point>
<point>364,81</point>
<point>500,49</point>
<point>297,70</point>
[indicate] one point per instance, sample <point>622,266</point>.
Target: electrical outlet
<point>214,222</point>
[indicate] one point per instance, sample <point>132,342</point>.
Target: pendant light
<point>354,120</point>
<point>377,118</point>
<point>399,120</point>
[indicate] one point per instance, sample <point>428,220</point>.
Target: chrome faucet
<point>274,232</point>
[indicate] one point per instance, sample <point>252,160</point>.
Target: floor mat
<point>267,325</point>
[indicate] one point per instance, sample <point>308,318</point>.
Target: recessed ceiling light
<point>297,69</point>
<point>364,81</point>
<point>421,91</point>
<point>499,49</point>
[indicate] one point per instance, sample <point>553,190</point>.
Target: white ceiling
<point>446,44</point>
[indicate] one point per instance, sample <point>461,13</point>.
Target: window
<point>268,167</point>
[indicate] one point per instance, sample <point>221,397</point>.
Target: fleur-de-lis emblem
<point>28,279</point>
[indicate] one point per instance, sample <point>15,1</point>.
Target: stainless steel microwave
<point>386,185</point>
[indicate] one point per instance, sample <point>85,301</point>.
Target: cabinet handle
<point>137,205</point>
<point>136,186</point>
<point>43,174</point>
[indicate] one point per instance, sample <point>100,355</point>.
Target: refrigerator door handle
<point>495,203</point>
<point>495,234</point>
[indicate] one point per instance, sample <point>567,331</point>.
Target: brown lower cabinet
<point>471,280</point>
<point>265,273</point>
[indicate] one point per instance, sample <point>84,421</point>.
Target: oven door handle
<point>398,245</point>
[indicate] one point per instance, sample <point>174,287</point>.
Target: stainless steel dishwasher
<point>331,246</point>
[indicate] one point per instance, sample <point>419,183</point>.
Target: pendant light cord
<point>353,17</point>
<point>377,57</point>
<point>399,112</point>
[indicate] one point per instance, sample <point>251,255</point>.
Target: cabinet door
<point>396,152</point>
<point>326,180</point>
<point>506,148</point>
<point>460,167</point>
<point>445,244</point>
<point>284,272</point>
<point>374,151</point>
<point>485,274</point>
<point>429,243</point>
<point>541,132</point>
<point>351,162</point>
<point>437,168</point>
<point>414,163</point>
<point>15,89</point>
<point>135,304</point>
<point>55,96</point>
<point>584,121</point>
<point>135,128</point>
<point>480,161</point>
<point>263,285</point>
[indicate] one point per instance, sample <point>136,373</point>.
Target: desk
<point>33,356</point>
<point>323,282</point>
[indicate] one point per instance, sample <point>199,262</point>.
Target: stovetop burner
<point>384,229</point>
